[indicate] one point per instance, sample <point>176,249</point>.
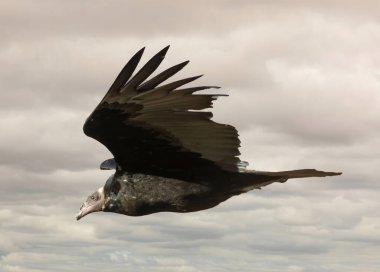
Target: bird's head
<point>94,203</point>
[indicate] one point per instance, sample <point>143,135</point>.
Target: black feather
<point>158,79</point>
<point>147,69</point>
<point>126,73</point>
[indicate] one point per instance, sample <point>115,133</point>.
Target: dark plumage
<point>168,155</point>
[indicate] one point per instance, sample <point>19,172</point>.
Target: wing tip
<point>180,66</point>
<point>183,64</point>
<point>163,51</point>
<point>139,53</point>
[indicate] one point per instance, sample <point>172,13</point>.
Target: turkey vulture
<point>168,155</point>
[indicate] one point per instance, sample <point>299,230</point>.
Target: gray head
<point>94,203</point>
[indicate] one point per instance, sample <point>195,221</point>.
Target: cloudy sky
<point>304,85</point>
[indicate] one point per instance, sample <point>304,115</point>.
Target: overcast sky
<point>304,85</point>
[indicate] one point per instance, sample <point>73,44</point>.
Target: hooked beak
<point>81,212</point>
<point>85,209</point>
<point>79,215</point>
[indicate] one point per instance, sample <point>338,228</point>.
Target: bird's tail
<point>249,180</point>
<point>301,173</point>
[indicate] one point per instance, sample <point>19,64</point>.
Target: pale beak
<point>85,209</point>
<point>79,215</point>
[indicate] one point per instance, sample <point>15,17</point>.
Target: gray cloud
<point>303,80</point>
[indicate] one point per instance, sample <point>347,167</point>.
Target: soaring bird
<point>168,155</point>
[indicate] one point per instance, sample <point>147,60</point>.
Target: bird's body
<point>141,194</point>
<point>168,155</point>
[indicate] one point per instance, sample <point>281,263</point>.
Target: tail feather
<point>248,180</point>
<point>301,173</point>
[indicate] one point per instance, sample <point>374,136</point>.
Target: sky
<point>303,79</point>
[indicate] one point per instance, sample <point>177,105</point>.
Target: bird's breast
<point>141,194</point>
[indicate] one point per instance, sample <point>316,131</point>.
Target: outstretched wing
<point>157,128</point>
